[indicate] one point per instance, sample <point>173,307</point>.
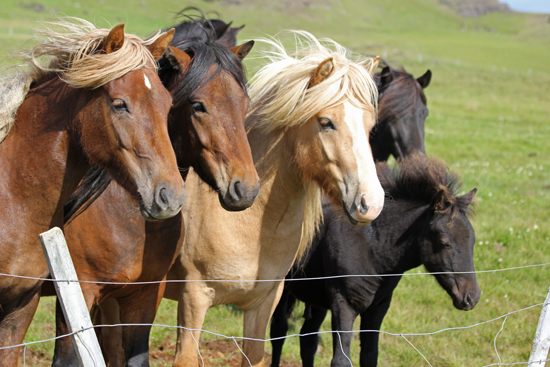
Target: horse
<point>110,243</point>
<point>311,112</point>
<point>402,112</point>
<point>99,101</point>
<point>424,222</point>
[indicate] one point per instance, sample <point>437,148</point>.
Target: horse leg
<point>343,316</point>
<point>255,327</point>
<point>308,343</point>
<point>15,318</point>
<point>279,328</point>
<point>193,304</point>
<point>371,319</point>
<point>139,308</point>
<point>110,337</point>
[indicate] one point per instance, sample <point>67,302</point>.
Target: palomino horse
<point>402,112</point>
<point>207,130</point>
<point>308,130</point>
<point>99,101</point>
<point>424,223</point>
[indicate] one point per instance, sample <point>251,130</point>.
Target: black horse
<point>423,222</point>
<point>402,112</point>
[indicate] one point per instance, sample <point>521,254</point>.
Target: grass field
<point>489,112</point>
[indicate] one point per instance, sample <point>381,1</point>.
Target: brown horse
<point>109,242</point>
<point>308,130</point>
<point>99,101</point>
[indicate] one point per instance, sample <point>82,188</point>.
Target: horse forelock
<point>279,92</point>
<point>204,54</point>
<point>420,178</point>
<point>74,56</point>
<point>399,96</point>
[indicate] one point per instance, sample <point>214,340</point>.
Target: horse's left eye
<point>198,107</point>
<point>326,124</point>
<point>445,243</point>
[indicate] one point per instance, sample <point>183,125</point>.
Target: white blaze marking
<point>147,82</point>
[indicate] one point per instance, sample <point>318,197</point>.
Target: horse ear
<point>386,77</point>
<point>440,201</point>
<point>238,30</point>
<point>221,30</point>
<point>371,68</point>
<point>159,47</point>
<point>467,198</point>
<point>242,50</point>
<point>177,58</point>
<point>114,40</point>
<point>424,80</point>
<point>322,72</point>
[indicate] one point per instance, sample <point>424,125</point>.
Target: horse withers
<point>402,111</point>
<point>424,222</point>
<point>99,100</point>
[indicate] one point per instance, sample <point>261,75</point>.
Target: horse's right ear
<point>238,30</point>
<point>440,201</point>
<point>386,76</point>
<point>177,58</point>
<point>114,40</point>
<point>221,30</point>
<point>322,72</point>
<point>160,45</point>
<point>242,50</point>
<point>373,65</point>
<point>424,80</point>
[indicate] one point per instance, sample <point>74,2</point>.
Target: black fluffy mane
<point>419,178</point>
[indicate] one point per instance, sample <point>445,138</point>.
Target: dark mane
<point>393,102</point>
<point>419,178</point>
<point>204,52</point>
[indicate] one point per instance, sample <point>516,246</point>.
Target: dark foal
<point>109,243</point>
<point>423,222</point>
<point>402,113</point>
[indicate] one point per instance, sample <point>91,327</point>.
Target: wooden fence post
<point>541,343</point>
<point>71,298</point>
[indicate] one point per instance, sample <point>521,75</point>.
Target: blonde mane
<point>72,53</point>
<point>280,97</point>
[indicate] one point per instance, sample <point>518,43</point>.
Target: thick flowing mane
<point>404,94</point>
<point>281,97</point>
<point>420,179</point>
<point>72,54</point>
<point>279,91</point>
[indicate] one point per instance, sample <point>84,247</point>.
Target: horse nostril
<point>162,199</point>
<point>468,299</point>
<point>364,208</point>
<point>236,190</point>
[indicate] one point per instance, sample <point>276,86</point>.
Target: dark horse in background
<point>402,113</point>
<point>110,243</point>
<point>424,222</point>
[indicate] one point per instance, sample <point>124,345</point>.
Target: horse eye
<point>326,124</point>
<point>198,107</point>
<point>445,243</point>
<point>120,105</point>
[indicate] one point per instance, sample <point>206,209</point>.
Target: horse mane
<point>204,53</point>
<point>419,178</point>
<point>72,54</point>
<point>280,98</point>
<point>399,96</point>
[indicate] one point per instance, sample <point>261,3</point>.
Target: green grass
<point>489,114</point>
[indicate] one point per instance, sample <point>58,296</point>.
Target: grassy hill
<point>489,113</point>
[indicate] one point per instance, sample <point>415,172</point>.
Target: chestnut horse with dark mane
<point>109,242</point>
<point>98,101</point>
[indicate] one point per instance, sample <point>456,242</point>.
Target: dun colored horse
<point>98,101</point>
<point>109,242</point>
<point>402,113</point>
<point>423,222</point>
<point>308,130</point>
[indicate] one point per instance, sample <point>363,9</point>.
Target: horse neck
<point>396,235</point>
<point>42,163</point>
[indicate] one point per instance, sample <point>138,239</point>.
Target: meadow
<point>489,103</point>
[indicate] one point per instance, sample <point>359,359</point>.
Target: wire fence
<point>403,335</point>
